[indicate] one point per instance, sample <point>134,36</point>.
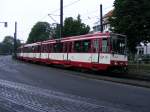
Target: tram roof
<point>74,38</point>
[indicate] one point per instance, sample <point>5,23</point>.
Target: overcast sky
<point>29,12</point>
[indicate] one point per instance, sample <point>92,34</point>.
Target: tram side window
<point>38,49</point>
<point>58,48</point>
<point>104,45</point>
<point>77,46</point>
<point>64,47</point>
<point>29,49</point>
<point>46,48</point>
<point>86,46</point>
<point>82,46</point>
<point>18,50</point>
<point>33,49</point>
<point>96,45</point>
<point>70,47</point>
<point>50,47</point>
<point>42,48</point>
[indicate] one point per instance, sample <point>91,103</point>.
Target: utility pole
<point>101,17</point>
<point>15,41</point>
<point>61,18</point>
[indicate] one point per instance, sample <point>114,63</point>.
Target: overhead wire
<point>52,18</point>
<point>65,6</point>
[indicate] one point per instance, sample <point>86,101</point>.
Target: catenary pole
<point>101,17</point>
<point>61,18</point>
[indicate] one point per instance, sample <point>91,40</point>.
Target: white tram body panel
<point>56,56</point>
<point>104,58</point>
<point>80,57</point>
<point>117,57</point>
<point>44,55</point>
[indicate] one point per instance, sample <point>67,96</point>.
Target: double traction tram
<point>99,51</point>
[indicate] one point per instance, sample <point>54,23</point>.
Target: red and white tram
<point>99,51</point>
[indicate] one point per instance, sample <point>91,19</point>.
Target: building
<point>143,49</point>
<point>106,23</point>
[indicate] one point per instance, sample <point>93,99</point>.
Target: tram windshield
<point>118,44</point>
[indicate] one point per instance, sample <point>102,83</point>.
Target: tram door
<point>67,48</point>
<point>95,51</point>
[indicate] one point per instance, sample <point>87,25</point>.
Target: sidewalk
<point>140,71</point>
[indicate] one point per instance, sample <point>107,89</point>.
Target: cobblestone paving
<point>19,97</point>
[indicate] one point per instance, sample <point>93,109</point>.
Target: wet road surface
<point>28,87</point>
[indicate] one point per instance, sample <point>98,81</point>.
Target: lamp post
<point>15,41</point>
<point>5,24</point>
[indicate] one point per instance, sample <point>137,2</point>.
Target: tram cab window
<point>118,44</point>
<point>105,46</point>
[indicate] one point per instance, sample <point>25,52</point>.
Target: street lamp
<point>15,41</point>
<point>5,24</point>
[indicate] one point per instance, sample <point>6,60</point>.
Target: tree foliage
<point>55,31</point>
<point>132,18</point>
<point>39,32</point>
<point>7,45</point>
<point>73,27</point>
<point>42,30</point>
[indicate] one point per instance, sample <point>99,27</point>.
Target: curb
<point>127,80</point>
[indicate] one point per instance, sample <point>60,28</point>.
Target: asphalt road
<point>26,87</point>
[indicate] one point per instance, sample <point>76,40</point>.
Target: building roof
<point>109,14</point>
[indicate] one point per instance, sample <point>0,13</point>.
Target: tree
<point>39,32</point>
<point>73,27</point>
<point>55,31</point>
<point>7,45</point>
<point>132,18</point>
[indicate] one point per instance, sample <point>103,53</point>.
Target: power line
<point>52,18</point>
<point>71,3</point>
<point>65,6</point>
<point>53,15</point>
<point>43,17</point>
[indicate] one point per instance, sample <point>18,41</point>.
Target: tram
<point>98,51</point>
